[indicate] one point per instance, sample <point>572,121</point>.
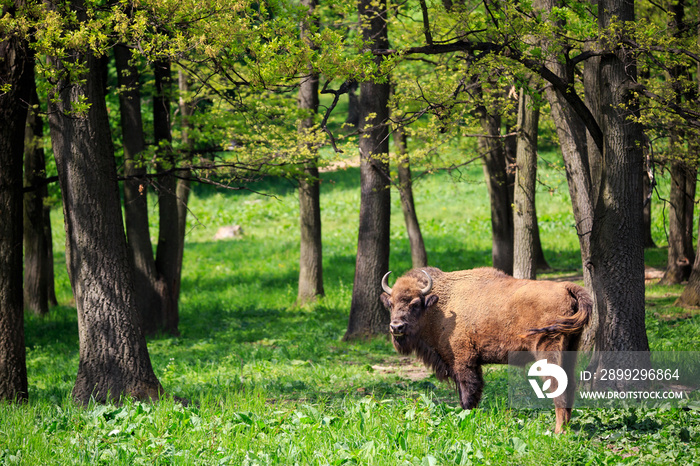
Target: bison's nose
<point>397,328</point>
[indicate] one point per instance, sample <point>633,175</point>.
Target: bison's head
<point>407,301</point>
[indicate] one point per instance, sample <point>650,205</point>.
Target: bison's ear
<point>430,301</point>
<point>386,300</point>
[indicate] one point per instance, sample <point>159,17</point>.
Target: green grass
<point>272,383</point>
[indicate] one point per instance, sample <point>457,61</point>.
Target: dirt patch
<point>670,316</point>
<point>405,368</point>
<point>651,276</point>
<point>341,164</point>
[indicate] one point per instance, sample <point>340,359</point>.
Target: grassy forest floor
<point>272,383</point>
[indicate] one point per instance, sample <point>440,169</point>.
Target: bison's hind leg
<point>470,385</point>
<point>564,402</point>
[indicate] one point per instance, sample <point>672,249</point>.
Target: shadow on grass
<point>60,326</point>
<point>347,178</point>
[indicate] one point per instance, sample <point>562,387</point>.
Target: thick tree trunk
<point>617,249</point>
<point>367,315</point>
<point>680,232</point>
<point>136,192</point>
<point>419,257</point>
<point>491,146</point>
<point>524,212</point>
<point>310,246</point>
<point>37,263</point>
<point>14,64</point>
<point>114,359</point>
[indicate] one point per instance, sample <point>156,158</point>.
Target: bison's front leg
<point>470,383</point>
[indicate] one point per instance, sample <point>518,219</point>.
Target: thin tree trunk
<point>114,359</point>
<point>524,212</point>
<point>493,152</point>
<point>13,113</point>
<point>367,315</point>
<point>419,257</point>
<point>168,251</point>
<point>136,192</point>
<point>680,232</point>
<point>353,118</point>
<point>50,278</point>
<point>683,177</point>
<point>182,189</point>
<point>310,246</point>
<point>690,298</point>
<point>36,260</point>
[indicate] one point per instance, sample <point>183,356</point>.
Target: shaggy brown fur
<point>475,317</point>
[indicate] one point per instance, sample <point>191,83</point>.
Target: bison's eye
<point>416,305</point>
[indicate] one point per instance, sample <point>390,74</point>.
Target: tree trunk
<point>169,249</point>
<point>367,315</point>
<point>617,249</point>
<point>353,118</point>
<point>419,257</point>
<point>50,279</point>
<point>182,189</point>
<point>524,212</point>
<point>37,263</point>
<point>690,298</point>
<point>14,70</point>
<point>683,176</point>
<point>136,192</point>
<point>577,146</point>
<point>310,247</point>
<point>680,232</point>
<point>114,359</point>
<point>493,152</point>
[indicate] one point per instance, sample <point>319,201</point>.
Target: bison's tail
<point>574,323</point>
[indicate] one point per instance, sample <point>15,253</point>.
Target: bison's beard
<point>404,344</point>
<point>407,344</point>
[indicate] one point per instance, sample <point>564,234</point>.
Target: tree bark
<point>37,262</point>
<point>14,71</point>
<point>310,247</point>
<point>169,250</point>
<point>136,192</point>
<point>353,118</point>
<point>114,359</point>
<point>690,298</point>
<point>367,315</point>
<point>524,212</point>
<point>493,152</point>
<point>579,153</point>
<point>419,257</point>
<point>683,176</point>
<point>617,249</point>
<point>680,232</point>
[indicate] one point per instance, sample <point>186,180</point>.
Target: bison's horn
<point>385,283</point>
<point>429,287</point>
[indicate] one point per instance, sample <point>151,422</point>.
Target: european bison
<point>457,321</point>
